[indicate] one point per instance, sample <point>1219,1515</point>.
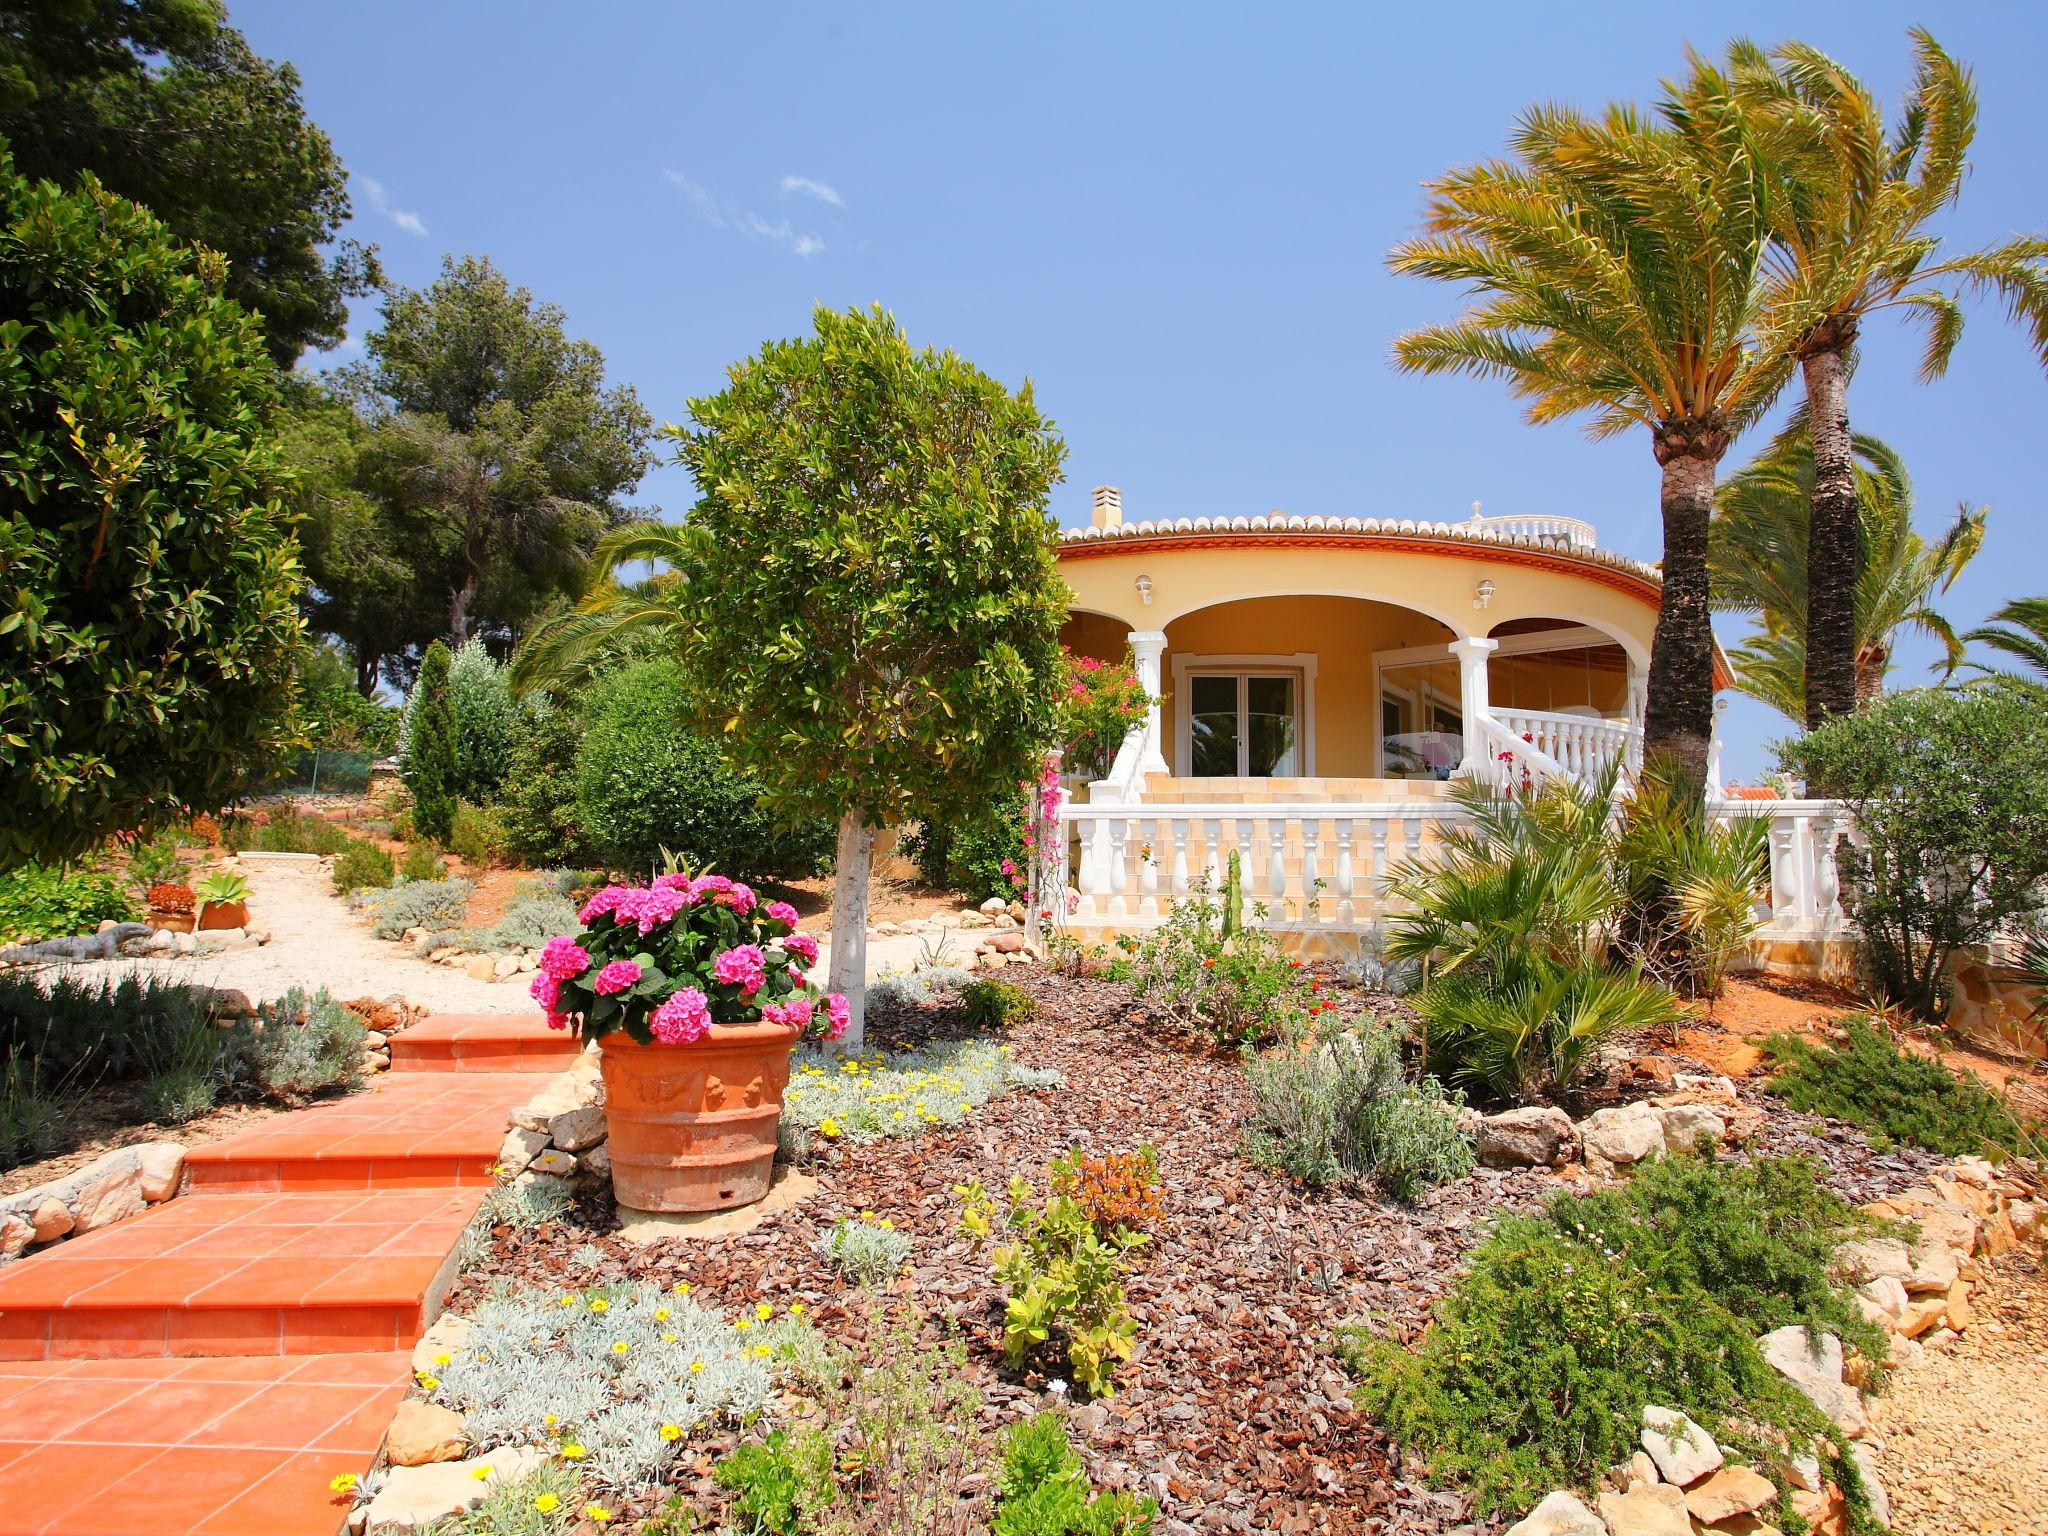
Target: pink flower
<point>603,903</point>
<point>781,911</point>
<point>684,1017</point>
<point>840,1012</point>
<point>741,898</point>
<point>545,990</point>
<point>803,946</point>
<point>616,978</point>
<point>652,908</point>
<point>557,1020</point>
<point>562,957</point>
<point>742,966</point>
<point>681,883</point>
<point>796,1011</point>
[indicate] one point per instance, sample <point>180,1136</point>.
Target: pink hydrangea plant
<point>742,966</point>
<point>619,976</point>
<point>683,1018</point>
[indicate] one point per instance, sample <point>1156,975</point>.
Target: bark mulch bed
<point>1235,1412</point>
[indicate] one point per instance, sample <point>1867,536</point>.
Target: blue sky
<point>1173,219</point>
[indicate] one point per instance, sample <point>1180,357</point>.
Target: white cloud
<point>721,212</point>
<point>810,188</point>
<point>410,222</point>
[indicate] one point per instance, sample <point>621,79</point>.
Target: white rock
<point>1626,1134</point>
<point>506,965</point>
<point>1887,1294</point>
<point>1560,1514</point>
<point>1647,1509</point>
<point>994,905</point>
<point>519,1148</point>
<point>108,1191</point>
<point>163,1169</point>
<point>973,919</point>
<point>1684,1452</point>
<point>1722,1088</point>
<point>422,1433</point>
<point>482,968</point>
<point>1804,1472</point>
<point>2025,1216</point>
<point>416,1496</point>
<point>1934,1266</point>
<point>554,1162</point>
<point>575,1129</point>
<point>1687,1125</point>
<point>528,963</point>
<point>1536,1137</point>
<point>16,1233</point>
<point>1870,1258</point>
<point>52,1219</point>
<point>947,920</point>
<point>1817,1373</point>
<point>1880,1501</point>
<point>448,1336</point>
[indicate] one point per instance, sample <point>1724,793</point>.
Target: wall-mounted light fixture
<point>1482,594</point>
<point>1145,590</point>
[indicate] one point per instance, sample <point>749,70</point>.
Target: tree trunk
<point>458,612</point>
<point>367,662</point>
<point>848,973</point>
<point>1679,719</point>
<point>1834,538</point>
<point>1870,670</point>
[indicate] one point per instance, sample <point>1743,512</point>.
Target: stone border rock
<point>559,1133</point>
<point>1915,1286</point>
<point>1698,1107</point>
<point>124,1182</point>
<point>1001,922</point>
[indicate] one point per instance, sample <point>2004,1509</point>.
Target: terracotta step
<point>241,1274</point>
<point>189,1447</point>
<point>483,1042</point>
<point>409,1130</point>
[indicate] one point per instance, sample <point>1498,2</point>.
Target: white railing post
<point>1714,746</point>
<point>1472,653</point>
<point>1276,866</point>
<point>1148,866</point>
<point>1119,833</point>
<point>1147,646</point>
<point>1311,871</point>
<point>1347,909</point>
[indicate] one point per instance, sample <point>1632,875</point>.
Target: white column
<point>1714,746</point>
<point>1147,646</point>
<point>1472,701</point>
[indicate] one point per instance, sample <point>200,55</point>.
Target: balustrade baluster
<point>1212,867</point>
<point>1276,866</point>
<point>1311,871</point>
<point>1179,888</point>
<point>1153,838</point>
<point>1119,835</point>
<point>1347,909</point>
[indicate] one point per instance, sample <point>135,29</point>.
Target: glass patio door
<point>1244,725</point>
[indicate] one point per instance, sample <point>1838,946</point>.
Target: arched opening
<point>1560,667</point>
<point>1087,633</point>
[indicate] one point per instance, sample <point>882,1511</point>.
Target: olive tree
<point>875,610</point>
<point>149,579</point>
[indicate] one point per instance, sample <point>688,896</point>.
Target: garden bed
<point>1235,1412</point>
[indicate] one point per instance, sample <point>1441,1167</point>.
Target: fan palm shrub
<point>1758,556</point>
<point>2018,630</point>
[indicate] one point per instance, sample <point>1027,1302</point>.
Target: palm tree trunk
<point>1679,719</point>
<point>1834,539</point>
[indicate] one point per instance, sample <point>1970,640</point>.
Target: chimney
<point>1109,507</point>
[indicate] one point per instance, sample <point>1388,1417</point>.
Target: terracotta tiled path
<point>207,1368</point>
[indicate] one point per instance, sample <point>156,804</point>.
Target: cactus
<point>1233,897</point>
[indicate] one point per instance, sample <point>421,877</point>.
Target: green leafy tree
<point>494,441</point>
<point>1615,264</point>
<point>166,104</point>
<point>1851,209</point>
<point>2019,630</point>
<point>485,721</point>
<point>149,581</point>
<point>1759,552</point>
<point>427,757</point>
<point>1949,791</point>
<point>876,601</point>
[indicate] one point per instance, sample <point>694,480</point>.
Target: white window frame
<point>1300,665</point>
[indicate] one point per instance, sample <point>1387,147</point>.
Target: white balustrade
<point>1582,746</point>
<point>1573,531</point>
<point>1806,881</point>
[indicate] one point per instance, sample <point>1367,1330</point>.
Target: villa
<point>1321,680</point>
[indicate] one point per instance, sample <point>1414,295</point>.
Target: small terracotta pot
<point>692,1127</point>
<point>224,914</point>
<point>176,922</point>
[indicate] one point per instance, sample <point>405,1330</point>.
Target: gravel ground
<point>1964,1432</point>
<point>316,941</point>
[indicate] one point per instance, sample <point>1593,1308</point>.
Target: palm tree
<point>1615,266</point>
<point>1758,555</point>
<point>1849,212</point>
<point>614,618</point>
<point>2019,630</point>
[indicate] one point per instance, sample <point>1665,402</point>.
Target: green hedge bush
<point>1873,1083</point>
<point>647,783</point>
<point>39,903</point>
<point>537,806</point>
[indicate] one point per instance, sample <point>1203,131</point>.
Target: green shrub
<point>1101,702</point>
<point>979,856</point>
<point>485,720</point>
<point>862,1098</point>
<point>287,829</point>
<point>304,1046</point>
<point>427,750</point>
<point>1341,1107</point>
<point>149,615</point>
<point>435,905</point>
<point>538,801</point>
<point>1527,1025</point>
<point>1949,791</point>
<point>1042,1489</point>
<point>537,912</point>
<point>421,862</point>
<point>338,718</point>
<point>159,860</point>
<point>1240,991</point>
<point>476,836</point>
<point>1539,1362</point>
<point>646,784</point>
<point>112,1031</point>
<point>1873,1083</point>
<point>33,1110</point>
<point>1064,1278</point>
<point>993,1004</point>
<point>548,1501</point>
<point>361,865</point>
<point>867,1251</point>
<point>177,1096</point>
<point>40,903</point>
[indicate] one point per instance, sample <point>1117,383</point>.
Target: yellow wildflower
<point>696,1366</point>
<point>570,1451</point>
<point>597,1514</point>
<point>668,1338</point>
<point>427,1383</point>
<point>600,1305</point>
<point>671,1432</point>
<point>345,1483</point>
<point>620,1346</point>
<point>763,1311</point>
<point>828,1127</point>
<point>661,1314</point>
<point>444,1359</point>
<point>480,1471</point>
<point>682,1287</point>
<point>547,1504</point>
<point>743,1323</point>
<point>763,1351</point>
<point>796,1309</point>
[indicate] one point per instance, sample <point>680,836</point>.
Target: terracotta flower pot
<point>224,914</point>
<point>692,1127</point>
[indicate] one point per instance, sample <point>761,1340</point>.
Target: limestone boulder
<point>163,1170</point>
<point>418,1496</point>
<point>1560,1514</point>
<point>555,1163</point>
<point>1880,1501</point>
<point>106,1191</point>
<point>448,1336</point>
<point>422,1432</point>
<point>1871,1258</point>
<point>1622,1135</point>
<point>1887,1293</point>
<point>1817,1372</point>
<point>575,1129</point>
<point>1647,1509</point>
<point>1536,1137</point>
<point>1729,1492</point>
<point>519,1148</point>
<point>52,1219</point>
<point>1684,1453</point>
<point>1686,1126</point>
<point>482,968</point>
<point>16,1233</point>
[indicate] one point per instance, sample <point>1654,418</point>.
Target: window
<point>1244,725</point>
<point>1421,724</point>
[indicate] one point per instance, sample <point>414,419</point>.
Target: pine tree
<point>429,767</point>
